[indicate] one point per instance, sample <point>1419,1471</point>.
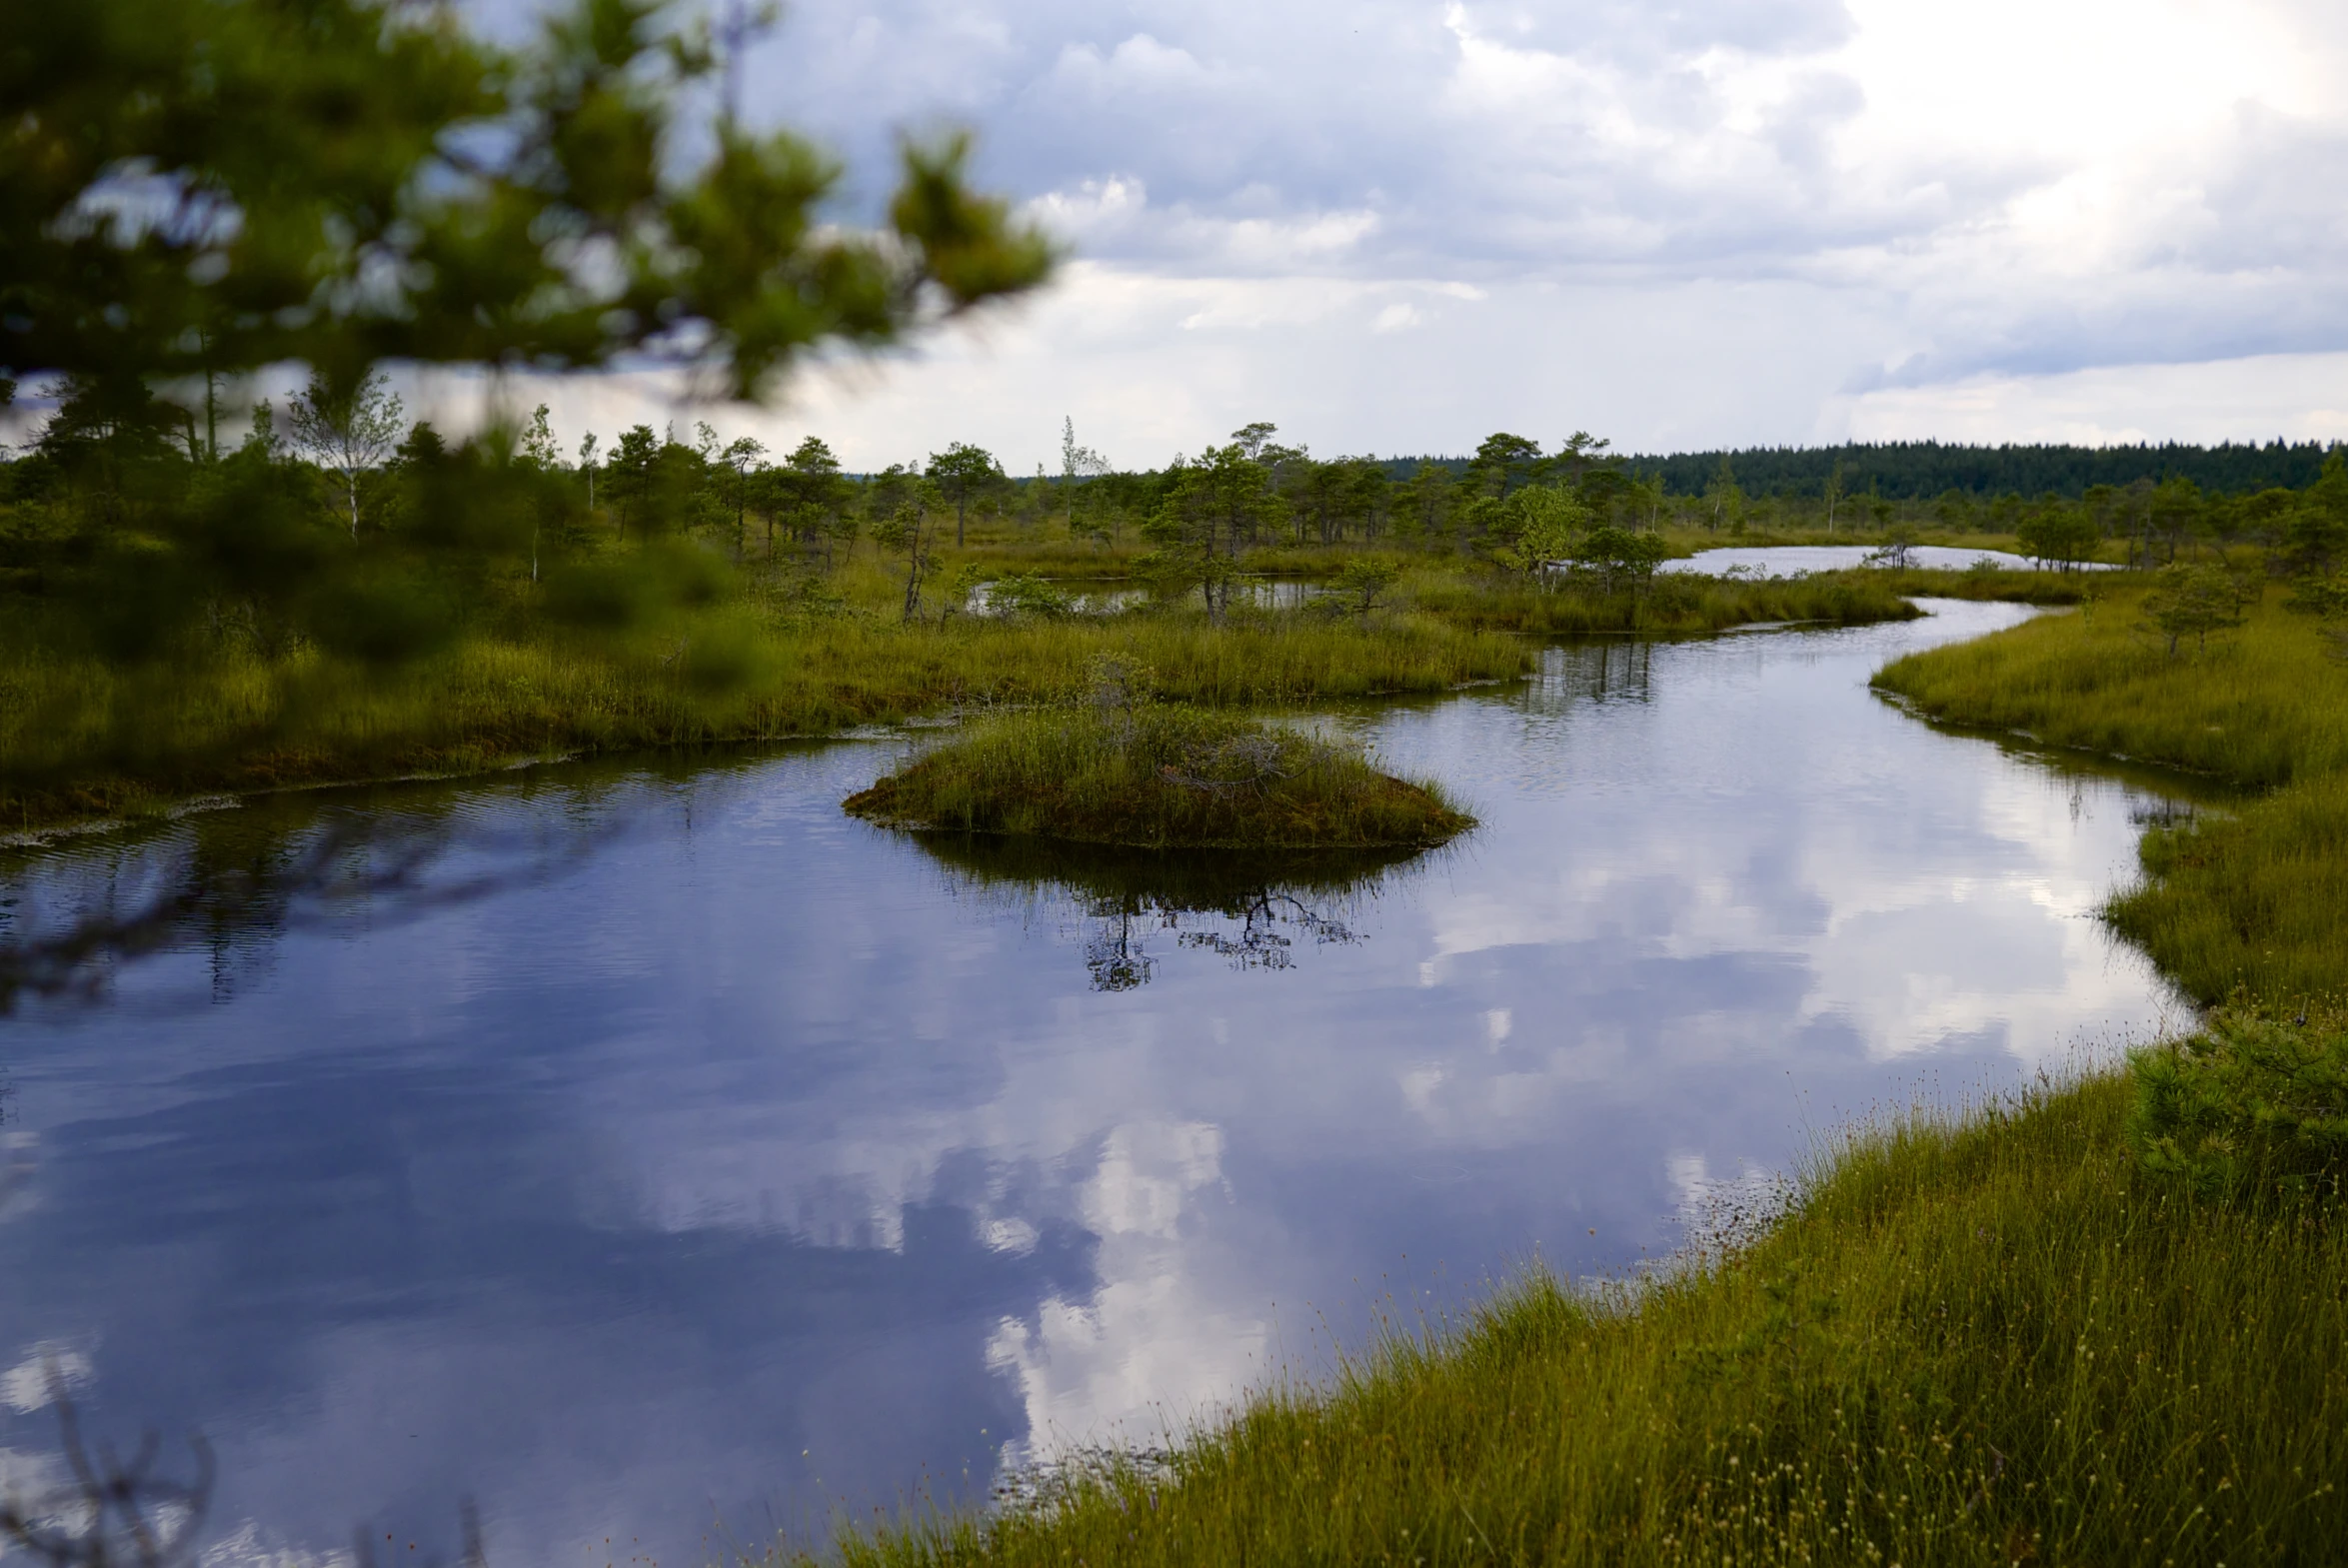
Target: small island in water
<point>1159,778</point>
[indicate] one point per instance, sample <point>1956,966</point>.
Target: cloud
<point>1887,195</point>
<point>42,1372</point>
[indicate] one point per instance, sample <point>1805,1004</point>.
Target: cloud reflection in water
<point>604,1194</point>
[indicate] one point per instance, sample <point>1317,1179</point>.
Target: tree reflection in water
<point>1252,907</point>
<point>233,883</point>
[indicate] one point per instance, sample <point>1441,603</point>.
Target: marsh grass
<point>1159,776</point>
<point>2003,584</point>
<point>80,737</point>
<point>2248,897</point>
<point>1973,1341</point>
<point>767,652</point>
<point>1671,605</point>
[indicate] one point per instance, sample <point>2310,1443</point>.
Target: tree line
<point>1924,469</point>
<point>119,463</point>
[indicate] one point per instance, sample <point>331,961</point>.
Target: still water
<point>1796,559</point>
<point>657,1156</point>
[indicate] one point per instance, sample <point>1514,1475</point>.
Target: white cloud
<point>42,1372</point>
<point>1703,223</point>
<point>2302,396</point>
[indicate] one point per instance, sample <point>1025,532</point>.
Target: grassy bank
<point>752,658</point>
<point>1158,777</point>
<point>79,737</point>
<point>2246,898</point>
<point>2086,1324</point>
<point>1986,1343</point>
<point>1672,605</point>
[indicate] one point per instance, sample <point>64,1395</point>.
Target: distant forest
<point>1923,470</point>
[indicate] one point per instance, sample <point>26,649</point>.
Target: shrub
<point>2250,1105</point>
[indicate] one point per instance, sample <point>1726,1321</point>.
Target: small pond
<point>657,1157</point>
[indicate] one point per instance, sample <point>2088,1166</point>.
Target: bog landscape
<point>576,992</point>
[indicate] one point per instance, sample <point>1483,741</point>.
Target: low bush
<point>2251,1105</point>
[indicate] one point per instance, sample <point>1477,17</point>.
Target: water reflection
<point>709,1159</point>
<point>1084,597</point>
<point>231,882</point>
<point>1796,559</point>
<point>1605,671</point>
<point>1251,908</point>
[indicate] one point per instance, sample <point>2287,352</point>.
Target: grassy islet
<point>1159,777</point>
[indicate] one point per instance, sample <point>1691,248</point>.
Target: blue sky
<point>1398,225</point>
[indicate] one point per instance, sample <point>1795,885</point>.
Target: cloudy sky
<point>1399,225</point>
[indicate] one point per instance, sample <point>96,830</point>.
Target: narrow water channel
<point>655,1156</point>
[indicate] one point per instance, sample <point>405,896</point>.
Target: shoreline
<point>1989,1336</point>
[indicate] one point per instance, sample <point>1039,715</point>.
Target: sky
<point>1396,226</point>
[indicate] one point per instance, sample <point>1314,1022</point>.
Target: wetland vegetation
<point>1891,1365</point>
<point>1159,776</point>
<point>1994,1338</point>
<point>2099,1320</point>
<point>2245,897</point>
<point>185,619</point>
<point>2096,1320</point>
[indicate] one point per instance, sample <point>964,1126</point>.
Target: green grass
<point>2249,898</point>
<point>1979,1342</point>
<point>2011,586</point>
<point>1673,604</point>
<point>82,737</point>
<point>2104,1321</point>
<point>1159,778</point>
<point>762,651</point>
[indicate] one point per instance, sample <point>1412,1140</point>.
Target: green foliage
<point>2320,595</point>
<point>1120,772</point>
<point>2248,898</point>
<point>962,472</point>
<point>2251,1105</point>
<point>2057,533</point>
<point>1023,594</point>
<point>1504,464</point>
<point>2193,601</point>
<point>1931,471</point>
<point>1533,528</point>
<point>1963,1343</point>
<point>1364,581</point>
<point>1212,510</point>
<point>346,181</point>
<point>2315,526</point>
<point>1623,559</point>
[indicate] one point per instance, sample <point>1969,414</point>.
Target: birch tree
<point>349,433</point>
